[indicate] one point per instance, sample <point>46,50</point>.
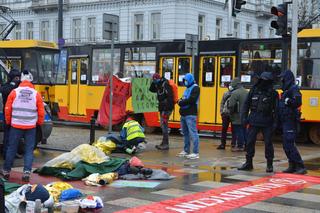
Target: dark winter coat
<point>164,94</point>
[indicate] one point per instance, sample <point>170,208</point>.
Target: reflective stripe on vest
<point>24,107</point>
<point>133,130</point>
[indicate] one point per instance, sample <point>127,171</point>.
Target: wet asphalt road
<point>212,167</point>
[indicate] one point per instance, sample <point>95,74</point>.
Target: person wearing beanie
<point>12,83</point>
<point>164,92</point>
<point>24,110</point>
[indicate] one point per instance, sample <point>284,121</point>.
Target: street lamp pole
<point>60,20</point>
<point>294,37</point>
<point>229,18</point>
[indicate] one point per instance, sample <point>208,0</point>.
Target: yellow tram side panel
<point>310,105</point>
<point>94,96</point>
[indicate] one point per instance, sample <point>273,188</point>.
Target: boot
<point>269,166</point>
<point>221,146</point>
<point>300,169</point>
<point>162,147</point>
<point>291,168</point>
<point>247,166</point>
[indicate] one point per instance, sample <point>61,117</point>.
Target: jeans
<point>164,118</point>
<point>29,136</point>
<point>6,129</point>
<point>240,133</point>
<point>225,124</point>
<point>289,139</point>
<point>190,132</point>
<point>252,138</point>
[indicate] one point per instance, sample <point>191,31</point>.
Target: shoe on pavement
<point>5,174</point>
<point>237,149</point>
<point>182,154</point>
<point>300,169</point>
<point>193,156</point>
<point>26,176</point>
<point>162,147</point>
<point>221,146</point>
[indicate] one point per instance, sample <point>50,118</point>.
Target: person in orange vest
<point>24,110</point>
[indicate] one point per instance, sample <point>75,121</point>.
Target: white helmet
<point>26,76</point>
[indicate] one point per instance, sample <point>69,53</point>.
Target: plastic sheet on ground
<point>56,188</point>
<point>105,145</point>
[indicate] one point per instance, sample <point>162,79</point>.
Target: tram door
<point>175,68</point>
<point>78,81</point>
<point>216,72</point>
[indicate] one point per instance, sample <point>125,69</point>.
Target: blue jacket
<point>189,101</point>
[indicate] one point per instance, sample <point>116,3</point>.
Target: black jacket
<point>191,102</point>
<point>5,91</point>
<point>164,94</point>
<point>260,107</point>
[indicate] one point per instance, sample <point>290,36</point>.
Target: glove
<point>287,101</point>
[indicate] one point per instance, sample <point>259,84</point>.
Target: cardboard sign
<point>232,196</point>
<point>142,99</point>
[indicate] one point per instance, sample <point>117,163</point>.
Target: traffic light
<point>281,25</point>
<point>237,4</point>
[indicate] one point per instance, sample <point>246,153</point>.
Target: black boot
<point>291,168</point>
<point>221,146</point>
<point>300,169</point>
<point>247,166</point>
<point>165,144</point>
<point>269,166</point>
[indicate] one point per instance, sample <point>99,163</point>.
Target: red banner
<point>121,93</point>
<point>231,197</point>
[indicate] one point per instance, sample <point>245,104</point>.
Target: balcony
<point>263,11</point>
<point>38,5</point>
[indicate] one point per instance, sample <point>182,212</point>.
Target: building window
<point>76,30</point>
<point>17,34</point>
<point>260,31</point>
<point>138,27</point>
<point>29,30</point>
<point>248,31</point>
<point>236,29</point>
<point>56,31</point>
<point>201,32</point>
<point>271,33</point>
<point>45,30</point>
<point>91,29</point>
<point>218,28</point>
<point>155,26</point>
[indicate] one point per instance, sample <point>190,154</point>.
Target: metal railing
<point>42,3</point>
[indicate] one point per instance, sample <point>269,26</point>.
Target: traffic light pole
<point>230,18</point>
<point>294,38</point>
<point>111,79</point>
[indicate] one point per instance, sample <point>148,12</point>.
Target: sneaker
<point>182,154</point>
<point>5,175</point>
<point>26,176</point>
<point>192,156</point>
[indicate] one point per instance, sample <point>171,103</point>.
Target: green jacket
<point>236,101</point>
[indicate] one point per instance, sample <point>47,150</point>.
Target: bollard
<point>92,129</point>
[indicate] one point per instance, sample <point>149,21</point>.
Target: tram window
<point>74,72</point>
<point>167,68</point>
<point>257,58</point>
<point>60,76</point>
<point>101,65</point>
<point>208,72</point>
<point>183,69</point>
<point>3,76</point>
<point>84,70</point>
<point>308,73</point>
<point>15,64</point>
<point>48,67</point>
<point>30,63</point>
<point>226,70</point>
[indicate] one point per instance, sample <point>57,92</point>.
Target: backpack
<point>174,88</point>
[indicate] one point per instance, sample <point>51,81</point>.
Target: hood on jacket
<point>189,79</point>
<point>14,73</point>
<point>236,83</point>
<point>288,79</point>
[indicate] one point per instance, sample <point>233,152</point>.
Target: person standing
<point>225,117</point>
<point>259,111</point>
<point>164,92</point>
<point>236,102</point>
<point>289,117</point>
<point>12,83</point>
<point>24,111</point>
<point>188,111</point>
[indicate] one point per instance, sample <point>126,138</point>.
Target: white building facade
<point>139,19</point>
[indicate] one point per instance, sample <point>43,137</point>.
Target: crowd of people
<point>259,110</point>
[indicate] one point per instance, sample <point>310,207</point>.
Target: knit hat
<point>156,76</point>
<point>26,76</point>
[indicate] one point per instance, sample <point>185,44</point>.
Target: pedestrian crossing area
<point>301,201</point>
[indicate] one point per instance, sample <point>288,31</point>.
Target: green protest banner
<point>142,99</point>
